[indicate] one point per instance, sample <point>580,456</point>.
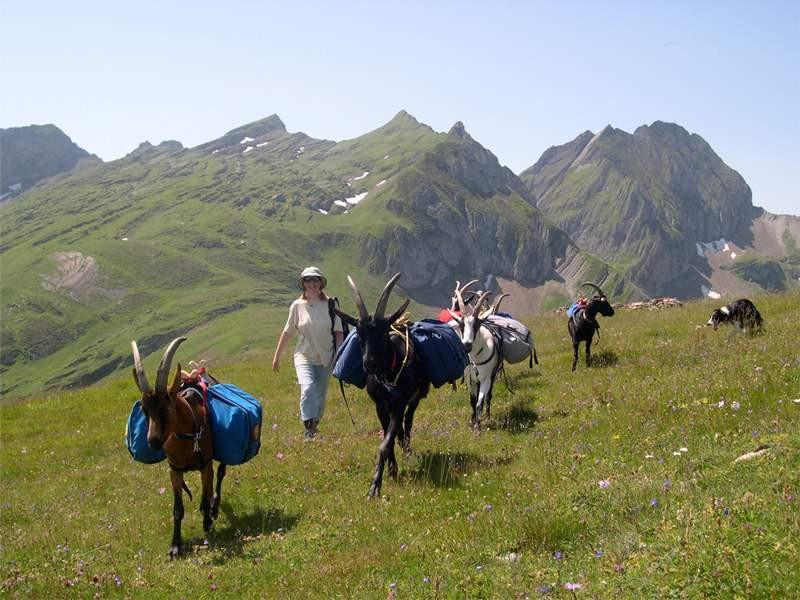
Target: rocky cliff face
<point>33,153</point>
<point>468,217</point>
<point>642,201</point>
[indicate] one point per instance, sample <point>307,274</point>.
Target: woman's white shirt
<point>312,322</point>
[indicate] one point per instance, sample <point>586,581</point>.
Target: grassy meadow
<point>617,481</point>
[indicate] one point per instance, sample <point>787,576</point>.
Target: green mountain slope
<point>643,202</point>
<point>208,241</point>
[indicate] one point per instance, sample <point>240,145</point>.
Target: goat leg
<point>408,423</point>
<point>385,451</point>
<point>221,470</point>
<point>207,477</point>
<point>176,478</point>
<point>589,352</point>
<point>574,355</point>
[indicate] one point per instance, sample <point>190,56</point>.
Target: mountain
<point>207,242</point>
<point>653,204</point>
<point>33,153</point>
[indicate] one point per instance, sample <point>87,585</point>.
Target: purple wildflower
<point>604,483</point>
<point>654,502</point>
<point>572,586</point>
<point>598,553</point>
<point>558,555</point>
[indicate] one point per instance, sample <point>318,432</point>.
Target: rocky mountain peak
<point>458,130</point>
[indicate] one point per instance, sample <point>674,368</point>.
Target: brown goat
<point>178,420</point>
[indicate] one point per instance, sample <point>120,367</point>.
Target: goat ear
<point>346,318</point>
<point>396,314</point>
<point>176,383</point>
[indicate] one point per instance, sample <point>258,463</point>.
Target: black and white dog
<point>742,314</point>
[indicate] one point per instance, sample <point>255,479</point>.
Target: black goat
<point>742,313</point>
<point>396,379</point>
<point>583,323</point>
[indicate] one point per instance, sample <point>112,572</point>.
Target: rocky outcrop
<point>642,201</point>
<point>33,153</point>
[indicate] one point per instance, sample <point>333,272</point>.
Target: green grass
<point>516,511</point>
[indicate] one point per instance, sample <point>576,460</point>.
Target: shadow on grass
<point>519,418</point>
<point>229,542</point>
<point>443,469</point>
<point>605,358</point>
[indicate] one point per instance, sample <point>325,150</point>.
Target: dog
<point>742,314</point>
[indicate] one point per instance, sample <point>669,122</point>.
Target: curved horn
<point>166,363</point>
<point>362,310</point>
<point>493,308</point>
<point>384,297</point>
<point>481,299</point>
<point>599,291</point>
<point>138,371</point>
<point>496,304</point>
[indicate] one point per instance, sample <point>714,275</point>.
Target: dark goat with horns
<point>583,323</point>
<point>178,421</point>
<point>396,379</point>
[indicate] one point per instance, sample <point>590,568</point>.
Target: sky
<point>521,76</point>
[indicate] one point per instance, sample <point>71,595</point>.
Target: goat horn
<point>479,302</point>
<point>166,363</point>
<point>496,304</point>
<point>138,371</point>
<point>362,310</point>
<point>599,291</point>
<point>384,297</point>
<point>468,285</point>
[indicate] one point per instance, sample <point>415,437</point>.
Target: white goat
<point>485,359</point>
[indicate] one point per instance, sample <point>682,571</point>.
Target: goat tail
<point>188,491</point>
<point>535,358</point>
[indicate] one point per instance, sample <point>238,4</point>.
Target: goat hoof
<point>174,552</point>
<point>374,492</point>
<point>393,472</point>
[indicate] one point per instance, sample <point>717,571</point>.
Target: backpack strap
<point>332,303</point>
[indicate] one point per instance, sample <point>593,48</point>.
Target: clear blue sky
<point>522,76</point>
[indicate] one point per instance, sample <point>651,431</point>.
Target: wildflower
<point>279,456</point>
<point>598,553</point>
<point>654,502</point>
<point>544,589</point>
<point>403,547</point>
<point>726,511</point>
<point>648,456</point>
<point>161,490</point>
<point>274,426</point>
<point>392,586</point>
<point>572,586</point>
<point>666,485</point>
<point>558,555</point>
<point>426,579</point>
<point>684,449</point>
<point>676,453</point>
<point>721,404</point>
<point>479,568</point>
<point>604,483</point>
<point>212,587</point>
<point>117,580</point>
<point>618,568</point>
<point>488,507</point>
<point>735,405</point>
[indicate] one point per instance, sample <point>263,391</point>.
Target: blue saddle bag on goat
<point>235,423</point>
<point>136,438</point>
<point>349,364</point>
<point>441,350</point>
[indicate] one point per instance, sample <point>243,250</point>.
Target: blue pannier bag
<point>235,423</point>
<point>440,349</point>
<point>349,365</point>
<point>136,437</point>
<point>572,309</point>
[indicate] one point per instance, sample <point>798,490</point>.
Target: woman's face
<point>312,285</point>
